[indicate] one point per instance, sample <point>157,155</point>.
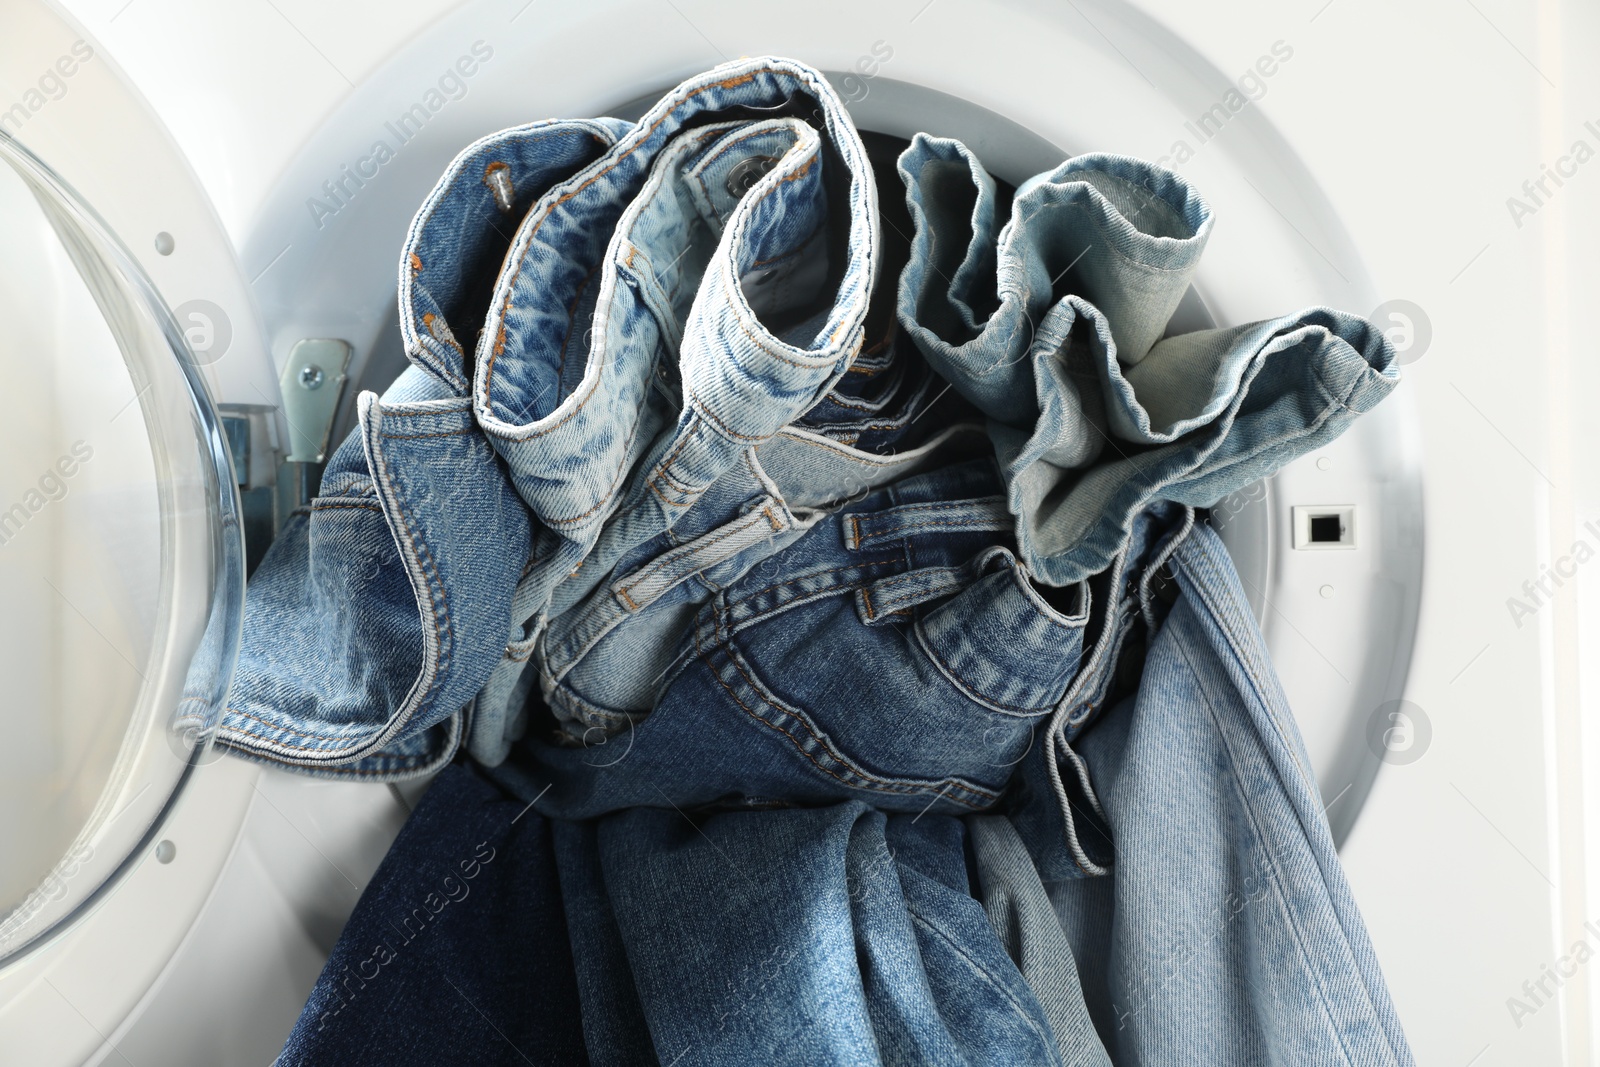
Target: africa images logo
<point>343,187</point>
<point>1247,88</point>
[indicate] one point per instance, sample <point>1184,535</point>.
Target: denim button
<point>747,172</point>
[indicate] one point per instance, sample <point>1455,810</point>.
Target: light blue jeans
<point>1175,821</point>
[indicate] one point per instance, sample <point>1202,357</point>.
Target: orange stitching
<point>705,413</point>
<point>488,373</point>
<point>605,498</point>
<point>666,464</point>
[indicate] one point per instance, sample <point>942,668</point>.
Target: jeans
<point>1175,823</point>
<point>708,417</point>
<point>843,648</point>
<point>508,470</point>
<point>1053,326</point>
<point>896,654</point>
<point>1056,929</point>
<point>839,935</point>
<point>458,951</point>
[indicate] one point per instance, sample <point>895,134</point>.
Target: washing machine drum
<point>121,570</point>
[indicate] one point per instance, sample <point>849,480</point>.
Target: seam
<point>667,560</point>
<point>438,610</point>
<point>456,407</point>
<point>870,781</point>
<point>1328,1014</point>
<point>721,147</point>
<point>887,784</point>
<point>815,574</point>
<point>983,975</point>
<point>419,436</point>
<point>972,694</point>
<point>913,527</point>
<point>280,727</point>
<point>702,410</point>
<point>351,507</point>
<point>667,462</point>
<point>826,354</point>
<point>727,83</point>
<point>803,720</point>
<point>608,497</point>
<point>442,194</point>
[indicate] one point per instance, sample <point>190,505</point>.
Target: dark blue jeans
<point>458,951</point>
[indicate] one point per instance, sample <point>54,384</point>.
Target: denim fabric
<point>782,579</point>
<point>661,379</point>
<point>1052,328</point>
<point>457,953</point>
<point>839,936</point>
<point>896,653</point>
<point>721,303</point>
<point>602,661</point>
<point>599,659</point>
<point>1019,908</point>
<point>830,935</point>
<point>382,607</point>
<point>719,309</point>
<point>1198,879</point>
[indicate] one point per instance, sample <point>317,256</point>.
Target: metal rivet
<point>747,172</point>
<point>497,176</point>
<point>166,851</point>
<point>164,243</point>
<point>311,377</point>
<point>1326,591</point>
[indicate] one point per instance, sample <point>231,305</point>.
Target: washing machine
<point>200,216</point>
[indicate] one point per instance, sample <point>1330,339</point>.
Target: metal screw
<point>311,377</point>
